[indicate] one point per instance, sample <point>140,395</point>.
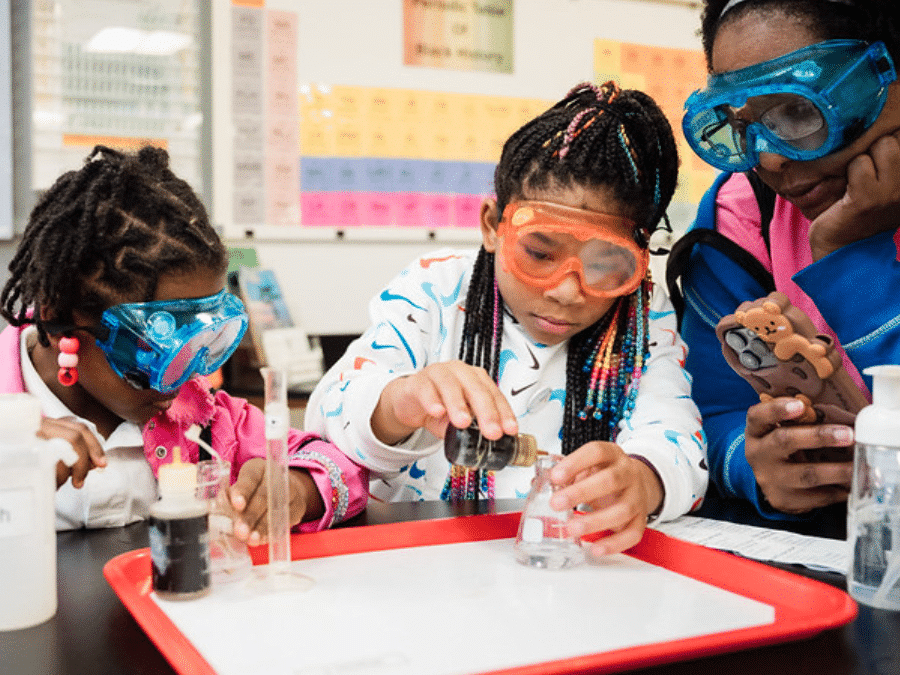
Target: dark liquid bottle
<point>467,447</point>
<point>179,534</point>
<point>179,556</point>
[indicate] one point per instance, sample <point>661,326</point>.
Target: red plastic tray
<point>803,607</point>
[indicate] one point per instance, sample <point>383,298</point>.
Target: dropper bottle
<point>468,448</point>
<point>873,508</point>
<point>179,533</point>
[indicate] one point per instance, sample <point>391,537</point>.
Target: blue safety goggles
<point>803,105</point>
<point>160,345</point>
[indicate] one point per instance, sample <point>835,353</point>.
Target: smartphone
<point>775,347</point>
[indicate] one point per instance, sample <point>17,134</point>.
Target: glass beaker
<point>543,539</point>
<point>228,556</point>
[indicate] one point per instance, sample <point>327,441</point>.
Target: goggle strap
<point>100,331</point>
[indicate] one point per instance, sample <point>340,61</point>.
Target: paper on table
<point>761,543</point>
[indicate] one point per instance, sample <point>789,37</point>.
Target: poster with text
<point>472,35</point>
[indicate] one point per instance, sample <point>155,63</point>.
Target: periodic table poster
<point>324,152</point>
<point>391,159</point>
<point>669,75</point>
<point>385,156</point>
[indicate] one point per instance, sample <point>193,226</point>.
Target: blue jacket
<point>855,290</point>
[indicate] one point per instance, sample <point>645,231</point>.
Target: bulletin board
<point>447,597</point>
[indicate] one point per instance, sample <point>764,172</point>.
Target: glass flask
<point>543,540</point>
<point>229,557</point>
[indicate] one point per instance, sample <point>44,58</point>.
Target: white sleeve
<point>409,329</point>
<point>665,427</point>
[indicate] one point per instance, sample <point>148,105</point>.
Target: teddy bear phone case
<point>775,347</point>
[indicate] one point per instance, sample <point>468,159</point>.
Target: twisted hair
<point>866,20</point>
<point>104,234</point>
<point>595,137</point>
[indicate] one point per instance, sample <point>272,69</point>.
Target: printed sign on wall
<point>459,34</point>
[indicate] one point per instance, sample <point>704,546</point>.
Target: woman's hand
<point>870,203</point>
<point>620,490</point>
<point>439,395</point>
<point>84,442</point>
<point>788,485</point>
<point>249,499</point>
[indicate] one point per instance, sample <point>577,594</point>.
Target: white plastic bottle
<point>27,513</point>
<point>873,509</point>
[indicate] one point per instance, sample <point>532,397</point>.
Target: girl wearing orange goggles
<point>543,242</point>
<point>552,328</point>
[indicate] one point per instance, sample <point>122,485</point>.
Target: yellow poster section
<point>669,75</point>
<point>352,121</point>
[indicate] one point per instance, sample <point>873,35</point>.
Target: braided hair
<point>595,137</point>
<point>866,20</point>
<point>105,234</point>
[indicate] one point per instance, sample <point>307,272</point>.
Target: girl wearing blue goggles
<point>803,105</point>
<point>160,345</point>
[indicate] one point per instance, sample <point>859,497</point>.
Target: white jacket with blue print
<point>418,320</point>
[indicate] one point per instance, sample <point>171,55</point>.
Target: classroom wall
<point>330,274</point>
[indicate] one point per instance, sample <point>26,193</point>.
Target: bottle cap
<point>526,451</point>
<point>177,478</point>
<point>885,385</point>
<point>879,423</point>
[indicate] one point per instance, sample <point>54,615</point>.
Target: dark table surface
<point>93,633</point>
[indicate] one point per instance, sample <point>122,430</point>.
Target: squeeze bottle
<point>873,508</point>
<point>27,513</point>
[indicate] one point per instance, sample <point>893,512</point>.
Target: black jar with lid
<point>467,447</point>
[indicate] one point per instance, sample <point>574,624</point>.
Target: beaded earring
<point>68,361</point>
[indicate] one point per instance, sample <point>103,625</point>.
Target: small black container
<point>467,447</point>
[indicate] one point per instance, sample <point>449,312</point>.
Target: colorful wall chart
<point>381,156</point>
<point>264,108</point>
<point>668,75</point>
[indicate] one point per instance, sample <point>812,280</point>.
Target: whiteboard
<point>359,42</point>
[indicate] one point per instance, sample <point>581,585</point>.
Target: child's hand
<point>870,201</point>
<point>789,486</point>
<point>249,499</point>
<point>621,491</point>
<point>90,452</point>
<point>438,395</point>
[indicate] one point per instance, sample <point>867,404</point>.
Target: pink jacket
<point>238,434</point>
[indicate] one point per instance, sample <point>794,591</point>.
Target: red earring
<point>68,361</point>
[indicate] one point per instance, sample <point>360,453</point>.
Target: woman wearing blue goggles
<point>803,105</point>
<point>802,113</point>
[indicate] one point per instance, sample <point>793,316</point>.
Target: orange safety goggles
<point>543,242</point>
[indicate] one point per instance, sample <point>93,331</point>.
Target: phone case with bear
<point>776,348</point>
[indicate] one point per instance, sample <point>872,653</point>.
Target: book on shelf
<point>277,340</point>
